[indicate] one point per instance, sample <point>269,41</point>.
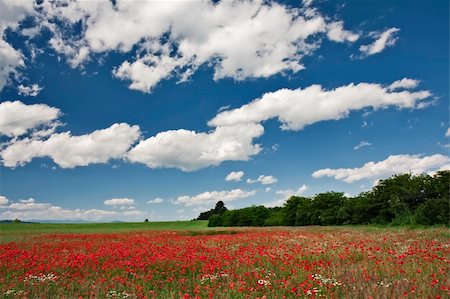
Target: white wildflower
<point>264,282</point>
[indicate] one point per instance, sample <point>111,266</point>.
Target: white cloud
<point>119,202</point>
<point>394,164</point>
<point>405,83</point>
<point>213,197</point>
<point>285,194</point>
<point>289,192</point>
<point>298,108</point>
<point>155,200</point>
<point>11,14</point>
<point>234,176</point>
<point>447,134</point>
<point>168,42</point>
<point>3,200</point>
<point>232,139</point>
<point>75,52</point>
<point>145,72</point>
<point>16,118</point>
<point>29,200</point>
<point>337,33</point>
<point>385,39</point>
<point>223,108</point>
<point>10,60</point>
<point>189,150</point>
<point>30,91</point>
<point>362,144</point>
<point>71,151</point>
<point>263,179</point>
<point>32,210</point>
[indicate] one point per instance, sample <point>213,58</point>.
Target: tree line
<point>403,199</point>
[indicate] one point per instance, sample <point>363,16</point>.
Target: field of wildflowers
<point>242,263</point>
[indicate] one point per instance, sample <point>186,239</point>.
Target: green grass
<point>19,231</point>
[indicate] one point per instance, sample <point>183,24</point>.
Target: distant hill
<point>61,221</point>
<point>12,221</point>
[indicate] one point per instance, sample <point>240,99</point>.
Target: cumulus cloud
<point>337,33</point>
<point>167,42</point>
<point>362,144</point>
<point>70,151</point>
<point>32,210</point>
<point>234,176</point>
<point>405,83</point>
<point>289,192</point>
<point>11,14</point>
<point>30,91</point>
<point>231,139</point>
<point>119,202</point>
<point>394,164</point>
<point>297,108</point>
<point>384,39</point>
<point>184,149</point>
<point>210,197</point>
<point>285,194</point>
<point>10,61</point>
<point>155,200</point>
<point>263,179</point>
<point>16,118</point>
<point>447,134</point>
<point>189,150</point>
<point>3,200</point>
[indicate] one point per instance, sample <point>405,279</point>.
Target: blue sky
<point>106,107</point>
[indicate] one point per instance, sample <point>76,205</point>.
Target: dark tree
<point>218,209</point>
<point>290,210</point>
<point>215,220</point>
<point>325,208</point>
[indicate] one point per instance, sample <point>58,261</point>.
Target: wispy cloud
<point>383,40</point>
<point>264,179</point>
<point>362,144</point>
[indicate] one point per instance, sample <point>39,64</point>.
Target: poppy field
<point>311,262</point>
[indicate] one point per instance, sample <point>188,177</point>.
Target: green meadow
<point>19,231</point>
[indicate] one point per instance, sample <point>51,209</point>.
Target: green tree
<point>290,210</point>
<point>218,209</point>
<point>275,217</point>
<point>325,208</point>
<point>433,211</point>
<point>231,218</point>
<point>304,211</point>
<point>259,215</point>
<point>245,217</point>
<point>215,220</point>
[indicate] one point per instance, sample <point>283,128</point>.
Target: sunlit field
<point>311,262</point>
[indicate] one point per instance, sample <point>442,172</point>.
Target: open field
<point>112,261</point>
<point>16,232</point>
